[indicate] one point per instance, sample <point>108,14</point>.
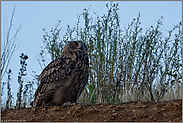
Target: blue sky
<point>35,16</point>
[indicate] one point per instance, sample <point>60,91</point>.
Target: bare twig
<point>9,46</point>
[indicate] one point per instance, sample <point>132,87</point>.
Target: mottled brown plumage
<point>64,79</point>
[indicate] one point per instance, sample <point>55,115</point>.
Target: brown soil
<point>133,111</point>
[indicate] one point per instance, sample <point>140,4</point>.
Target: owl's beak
<point>82,48</point>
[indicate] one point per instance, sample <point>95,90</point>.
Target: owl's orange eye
<point>76,45</point>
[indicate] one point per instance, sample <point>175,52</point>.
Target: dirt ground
<point>133,111</point>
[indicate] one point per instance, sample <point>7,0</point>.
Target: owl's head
<point>73,46</point>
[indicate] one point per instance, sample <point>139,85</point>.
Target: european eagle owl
<point>64,79</point>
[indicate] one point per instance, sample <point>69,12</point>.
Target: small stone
<point>55,108</point>
<point>114,114</point>
<point>44,109</point>
<point>155,109</point>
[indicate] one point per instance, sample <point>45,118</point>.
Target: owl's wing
<point>52,77</point>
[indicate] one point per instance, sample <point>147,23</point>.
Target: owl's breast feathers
<point>58,73</point>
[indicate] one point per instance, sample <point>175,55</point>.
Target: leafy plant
<point>9,100</point>
<point>22,74</point>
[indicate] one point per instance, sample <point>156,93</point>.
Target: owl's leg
<point>73,101</point>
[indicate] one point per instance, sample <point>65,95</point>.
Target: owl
<point>64,79</point>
